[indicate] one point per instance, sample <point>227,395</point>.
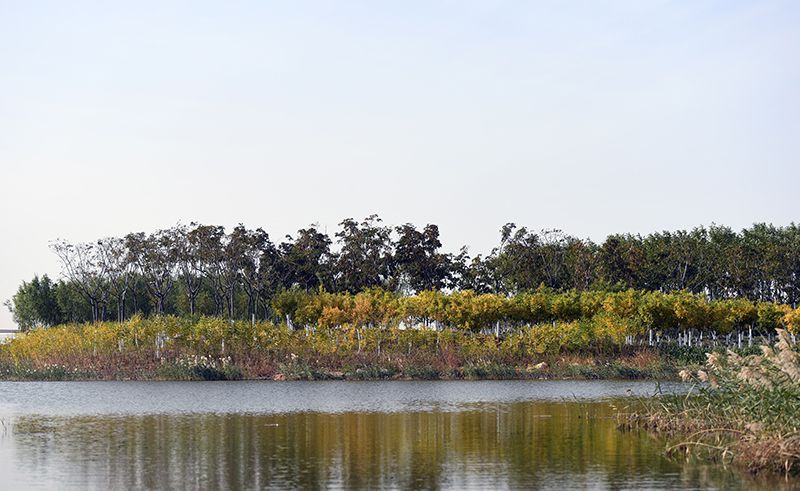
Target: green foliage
<point>36,304</point>
<point>373,372</point>
<point>548,321</point>
<point>297,369</point>
<point>488,370</point>
<point>686,355</point>
<point>424,372</point>
<point>241,274</point>
<point>200,368</point>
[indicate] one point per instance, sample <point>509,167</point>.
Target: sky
<point>592,117</point>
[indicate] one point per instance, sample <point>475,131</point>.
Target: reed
<point>741,409</point>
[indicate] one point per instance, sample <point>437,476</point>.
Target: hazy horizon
<point>594,118</point>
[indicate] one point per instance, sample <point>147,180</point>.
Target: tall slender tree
<point>82,265</point>
<point>156,256</point>
<point>117,263</point>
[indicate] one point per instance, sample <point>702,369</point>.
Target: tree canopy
<point>204,269</point>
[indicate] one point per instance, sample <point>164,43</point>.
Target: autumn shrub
<point>331,331</point>
<point>469,311</point>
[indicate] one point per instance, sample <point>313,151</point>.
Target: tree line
<point>203,269</point>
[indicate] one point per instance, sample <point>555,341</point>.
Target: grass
<point>21,371</point>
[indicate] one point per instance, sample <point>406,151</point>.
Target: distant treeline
<point>204,270</point>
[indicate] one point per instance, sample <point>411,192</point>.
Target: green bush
<point>483,370</point>
<point>425,372</point>
<point>372,373</point>
<point>200,368</point>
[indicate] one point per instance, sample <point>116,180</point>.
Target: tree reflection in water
<point>497,445</point>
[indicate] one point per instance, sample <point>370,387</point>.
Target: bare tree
<point>190,269</point>
<point>156,257</point>
<point>83,266</point>
<point>210,241</point>
<point>112,253</point>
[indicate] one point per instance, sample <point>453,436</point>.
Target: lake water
<point>321,435</point>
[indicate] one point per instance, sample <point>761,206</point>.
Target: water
<point>319,435</point>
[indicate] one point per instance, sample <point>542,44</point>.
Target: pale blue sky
<point>594,117</point>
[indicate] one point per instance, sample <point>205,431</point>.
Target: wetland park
<point>435,244</point>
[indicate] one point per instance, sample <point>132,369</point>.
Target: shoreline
<point>543,371</point>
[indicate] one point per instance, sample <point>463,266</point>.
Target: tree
<point>117,263</point>
<point>622,260</point>
<point>86,271</point>
<point>210,260</point>
<point>156,256</point>
<point>791,256</point>
<point>254,254</point>
<point>724,279</point>
<point>552,251</point>
<point>481,274</point>
<point>72,305</point>
<point>760,263</point>
<point>365,259</point>
<point>35,304</point>
<point>188,248</point>
<point>419,264</point>
<point>306,261</point>
<point>580,263</point>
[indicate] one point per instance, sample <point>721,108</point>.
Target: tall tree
<point>117,263</point>
<point>188,248</point>
<point>419,264</point>
<point>365,259</point>
<point>252,252</point>
<point>622,260</point>
<point>306,260</point>
<point>82,265</point>
<point>580,263</point>
<point>35,304</point>
<point>156,256</point>
<point>210,240</point>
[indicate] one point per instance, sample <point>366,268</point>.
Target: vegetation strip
<point>211,348</point>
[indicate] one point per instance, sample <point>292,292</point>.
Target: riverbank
<point>172,348</point>
<point>743,410</point>
<point>643,365</point>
